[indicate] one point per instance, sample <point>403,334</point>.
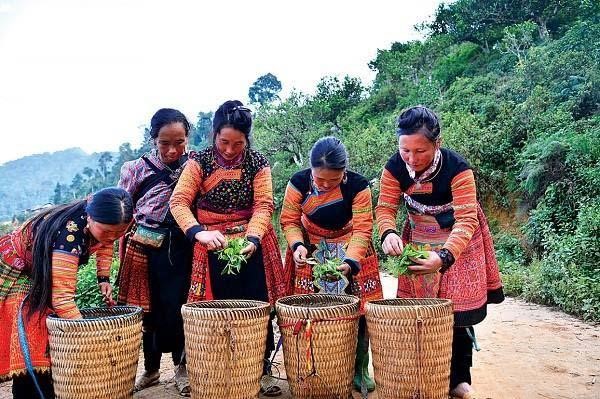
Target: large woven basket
<point>97,356</point>
<point>319,343</point>
<point>411,341</point>
<point>225,344</point>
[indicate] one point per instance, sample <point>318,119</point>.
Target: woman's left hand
<point>432,264</point>
<point>248,250</point>
<point>106,291</point>
<point>344,268</point>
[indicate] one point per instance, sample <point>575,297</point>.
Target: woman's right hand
<point>392,245</point>
<point>213,240</point>
<point>300,256</point>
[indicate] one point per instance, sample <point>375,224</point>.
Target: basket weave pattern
<point>319,355</point>
<point>411,342</point>
<point>225,344</point>
<point>97,356</point>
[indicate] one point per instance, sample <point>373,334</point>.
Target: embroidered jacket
<point>449,195</point>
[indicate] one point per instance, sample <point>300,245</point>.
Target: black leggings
<point>462,356</point>
<point>24,388</point>
<point>152,351</point>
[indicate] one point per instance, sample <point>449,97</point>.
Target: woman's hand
<point>213,240</point>
<point>248,250</point>
<point>432,264</point>
<point>345,269</point>
<point>392,245</point>
<point>106,291</point>
<point>300,256</point>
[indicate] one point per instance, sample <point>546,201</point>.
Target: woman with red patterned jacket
<point>438,188</point>
<point>38,273</point>
<point>329,205</point>
<point>225,192</point>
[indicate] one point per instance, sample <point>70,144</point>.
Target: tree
<point>518,39</point>
<point>265,89</point>
<point>104,164</point>
<point>201,135</point>
<point>335,97</point>
<point>58,196</point>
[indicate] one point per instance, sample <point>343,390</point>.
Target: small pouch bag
<point>150,236</point>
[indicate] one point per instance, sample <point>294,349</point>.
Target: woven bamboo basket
<point>97,356</point>
<point>411,342</point>
<point>225,344</point>
<point>319,343</point>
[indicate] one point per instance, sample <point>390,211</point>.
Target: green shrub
<point>88,293</point>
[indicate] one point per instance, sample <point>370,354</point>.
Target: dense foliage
<point>88,293</point>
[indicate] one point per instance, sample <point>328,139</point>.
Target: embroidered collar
<point>175,169</point>
<point>431,172</point>
<point>221,162</point>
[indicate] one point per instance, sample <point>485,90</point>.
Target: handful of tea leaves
<point>232,255</point>
<point>326,271</point>
<point>399,266</point>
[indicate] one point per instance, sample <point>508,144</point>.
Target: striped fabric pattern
<point>388,202</point>
<point>104,255</point>
<point>291,212</point>
<point>64,281</point>
<point>362,222</point>
<point>184,195</point>
<point>263,206</point>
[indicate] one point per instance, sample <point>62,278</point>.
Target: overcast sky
<point>82,73</point>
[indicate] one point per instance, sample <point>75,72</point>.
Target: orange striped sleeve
<point>362,226</point>
<point>64,282</point>
<point>104,255</point>
<point>464,203</point>
<point>291,214</point>
<point>388,202</point>
<point>183,196</point>
<point>262,207</point>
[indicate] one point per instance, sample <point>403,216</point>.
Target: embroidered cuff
<point>385,234</point>
<point>354,266</point>
<point>295,245</point>
<point>103,279</point>
<point>447,259</point>
<point>254,240</point>
<point>191,232</point>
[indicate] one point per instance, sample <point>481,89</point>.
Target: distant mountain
<point>29,182</point>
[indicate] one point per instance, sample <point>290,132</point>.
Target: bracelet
<point>447,259</point>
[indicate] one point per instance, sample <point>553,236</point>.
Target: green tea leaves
<point>326,271</point>
<point>232,254</point>
<point>399,266</point>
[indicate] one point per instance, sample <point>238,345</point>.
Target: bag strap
<point>25,348</point>
<point>153,179</point>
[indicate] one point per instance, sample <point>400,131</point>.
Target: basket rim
<point>197,305</point>
<point>353,301</point>
<point>134,311</point>
<point>397,302</point>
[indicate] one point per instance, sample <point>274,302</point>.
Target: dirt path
<point>528,352</point>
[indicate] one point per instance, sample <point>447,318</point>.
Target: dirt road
<point>528,352</point>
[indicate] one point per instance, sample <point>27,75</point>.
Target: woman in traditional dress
<point>157,261</point>
<point>438,189</point>
<point>38,276</point>
<point>329,205</point>
<point>224,192</point>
